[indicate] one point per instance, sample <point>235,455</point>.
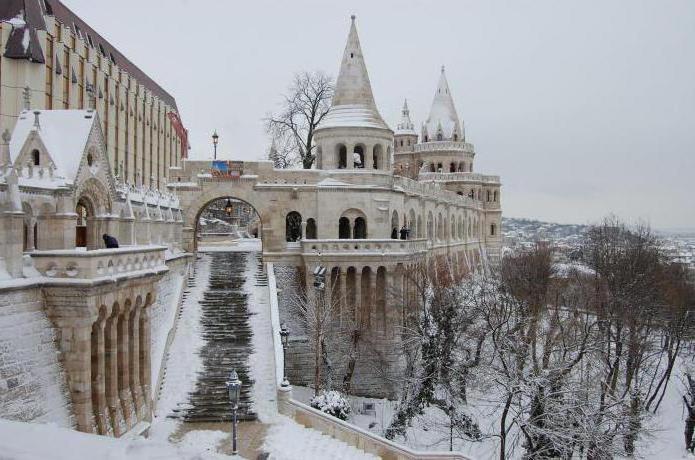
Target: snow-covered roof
<point>443,114</point>
<point>63,132</point>
<point>405,127</point>
<point>353,102</point>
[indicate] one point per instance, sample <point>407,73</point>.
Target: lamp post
<point>228,208</point>
<point>284,338</point>
<point>234,389</point>
<point>215,137</point>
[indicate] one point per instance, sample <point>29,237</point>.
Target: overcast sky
<point>584,108</point>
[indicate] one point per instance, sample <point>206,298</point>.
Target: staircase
<point>227,335</point>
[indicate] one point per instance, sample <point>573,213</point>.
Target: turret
<point>405,136</point>
<point>443,122</point>
<point>353,135</point>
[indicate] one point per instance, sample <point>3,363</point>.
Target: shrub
<point>332,403</point>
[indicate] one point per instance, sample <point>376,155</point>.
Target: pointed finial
<point>352,18</point>
<point>442,69</point>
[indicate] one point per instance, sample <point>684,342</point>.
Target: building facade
<point>52,60</point>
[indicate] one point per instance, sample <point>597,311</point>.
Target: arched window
<point>358,157</point>
<point>342,157</point>
<point>452,167</point>
<point>376,153</point>
<point>493,229</point>
<point>293,226</point>
<point>360,228</point>
<point>36,157</point>
<point>433,168</point>
<point>456,137</point>
<point>494,196</point>
<point>310,229</point>
<point>426,138</point>
<point>394,225</point>
<point>439,167</point>
<point>488,196</point>
<point>344,228</point>
<point>439,136</point>
<point>401,142</point>
<point>471,194</point>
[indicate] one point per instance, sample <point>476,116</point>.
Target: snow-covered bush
<point>333,403</point>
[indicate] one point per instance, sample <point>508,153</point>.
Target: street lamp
<point>228,208</point>
<point>234,389</point>
<point>215,137</point>
<point>284,338</point>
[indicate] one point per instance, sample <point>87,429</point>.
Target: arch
<point>344,228</point>
<point>493,229</point>
<point>358,156</point>
<point>412,225</point>
<point>197,208</point>
<point>452,167</point>
<point>36,157</point>
<point>310,229</point>
<point>360,232</point>
<point>85,222</point>
<point>341,152</point>
<point>293,226</point>
<point>494,196</point>
<point>420,230</point>
<point>439,167</point>
<point>394,225</point>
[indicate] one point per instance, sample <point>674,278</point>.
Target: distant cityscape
<point>521,232</point>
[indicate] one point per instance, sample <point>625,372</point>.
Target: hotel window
<point>80,84</point>
<point>49,72</point>
<point>66,78</point>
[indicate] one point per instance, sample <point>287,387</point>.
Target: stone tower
<point>405,136</point>
<point>353,135</point>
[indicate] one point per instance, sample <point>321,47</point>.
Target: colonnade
<point>108,365</point>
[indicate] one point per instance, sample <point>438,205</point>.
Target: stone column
<point>111,373</point>
<point>125,396</point>
<point>126,234</point>
<point>101,411</point>
<point>75,343</point>
<point>343,293</point>
<point>134,361</point>
<point>145,359</point>
<point>358,316</point>
<point>350,150</point>
<point>373,320</point>
<point>12,224</point>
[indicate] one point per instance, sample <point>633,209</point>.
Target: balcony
<point>100,264</point>
<point>444,146</point>
<point>399,249</point>
<point>459,177</point>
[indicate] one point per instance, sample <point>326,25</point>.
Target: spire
<point>353,101</point>
<point>443,113</point>
<point>406,125</point>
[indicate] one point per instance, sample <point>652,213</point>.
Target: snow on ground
<point>35,441</point>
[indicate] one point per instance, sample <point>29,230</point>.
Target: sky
<point>584,108</point>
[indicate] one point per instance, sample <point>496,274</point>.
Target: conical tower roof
<point>443,113</point>
<point>353,102</point>
<point>406,126</point>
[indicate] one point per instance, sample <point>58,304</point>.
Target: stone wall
<point>32,382</point>
<point>164,312</point>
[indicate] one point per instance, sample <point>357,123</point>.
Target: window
<point>342,157</point>
<point>293,226</point>
<point>36,157</point>
<point>456,137</point>
<point>492,229</point>
<point>90,159</point>
<point>358,157</point>
<point>439,136</point>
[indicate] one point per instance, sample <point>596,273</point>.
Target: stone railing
<point>361,247</point>
<point>100,263</point>
<point>444,145</point>
<point>458,176</point>
<point>434,190</point>
<point>351,434</point>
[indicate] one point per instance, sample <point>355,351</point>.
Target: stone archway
<point>194,222</point>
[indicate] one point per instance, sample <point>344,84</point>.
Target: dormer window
<point>36,157</point>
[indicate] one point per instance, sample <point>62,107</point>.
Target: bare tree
<point>304,106</point>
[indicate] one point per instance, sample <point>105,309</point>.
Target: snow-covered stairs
<point>288,440</point>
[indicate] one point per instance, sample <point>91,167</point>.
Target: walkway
<point>225,322</point>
